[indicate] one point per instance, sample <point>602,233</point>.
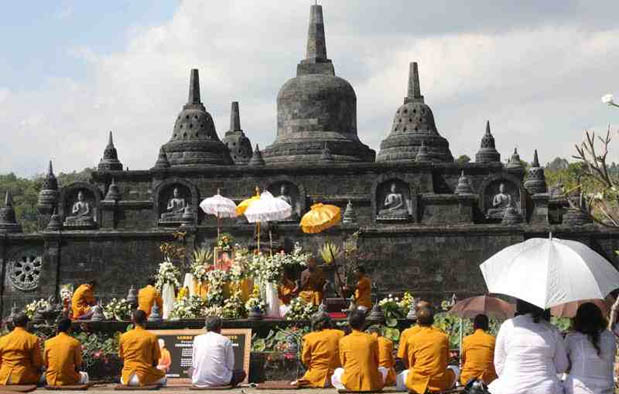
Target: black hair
<point>64,325</point>
<point>139,317</point>
<point>320,321</point>
<point>590,321</point>
<point>21,320</point>
<point>523,308</point>
<point>92,283</point>
<point>356,319</point>
<point>213,323</point>
<point>481,322</point>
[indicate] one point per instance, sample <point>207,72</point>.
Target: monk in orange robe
<point>402,348</point>
<point>83,299</point>
<point>359,356</point>
<point>385,355</point>
<point>286,289</point>
<point>165,361</point>
<point>20,355</point>
<point>140,353</point>
<point>63,358</point>
<point>320,352</point>
<point>312,283</point>
<point>477,357</point>
<point>363,290</point>
<point>428,357</point>
<point>149,296</point>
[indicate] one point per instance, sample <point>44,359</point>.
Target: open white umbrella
<point>266,209</point>
<point>219,206</point>
<point>549,272</point>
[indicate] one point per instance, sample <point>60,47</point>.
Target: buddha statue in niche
<point>394,205</point>
<point>81,212</point>
<point>500,202</point>
<point>175,207</point>
<point>284,194</point>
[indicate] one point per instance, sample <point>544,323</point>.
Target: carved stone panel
<point>288,192</point>
<point>393,201</point>
<point>173,201</point>
<point>24,270</point>
<point>499,195</point>
<point>80,208</point>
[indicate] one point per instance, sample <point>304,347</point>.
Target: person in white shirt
<point>528,355</point>
<point>591,351</point>
<point>213,358</point>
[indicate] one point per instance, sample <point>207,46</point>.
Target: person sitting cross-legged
<point>385,354</point>
<point>63,358</point>
<point>213,358</point>
<point>148,297</point>
<point>20,355</point>
<point>140,353</point>
<point>359,356</point>
<point>428,357</point>
<point>320,352</point>
<point>412,330</point>
<point>477,357</point>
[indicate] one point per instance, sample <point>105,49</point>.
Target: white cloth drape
<point>272,300</point>
<point>169,296</point>
<point>590,373</point>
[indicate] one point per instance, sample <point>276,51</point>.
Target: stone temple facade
<point>423,222</point>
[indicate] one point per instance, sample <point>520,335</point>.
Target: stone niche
<point>393,201</point>
<point>79,206</point>
<point>176,202</point>
<point>292,194</point>
<point>498,194</point>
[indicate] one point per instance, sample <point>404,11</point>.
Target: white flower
<point>608,99</point>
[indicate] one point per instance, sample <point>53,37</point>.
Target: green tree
<point>463,159</point>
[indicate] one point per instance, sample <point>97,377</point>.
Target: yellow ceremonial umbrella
<point>320,217</point>
<point>243,205</point>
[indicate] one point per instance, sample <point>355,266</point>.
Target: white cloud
<point>540,86</point>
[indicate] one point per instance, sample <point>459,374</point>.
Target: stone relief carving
<point>25,271</point>
<point>175,206</point>
<point>500,196</point>
<point>288,192</point>
<point>82,212</point>
<point>174,202</point>
<point>393,201</point>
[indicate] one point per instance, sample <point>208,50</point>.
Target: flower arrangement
<point>255,303</point>
<point>216,280</point>
<point>213,311</point>
<point>233,307</point>
<point>118,309</point>
<point>188,308</point>
<point>406,302</point>
<point>34,306</point>
<point>200,261</point>
<point>183,292</point>
<point>224,242</point>
<point>391,308</point>
<point>271,268</point>
<point>168,273</point>
<point>300,310</point>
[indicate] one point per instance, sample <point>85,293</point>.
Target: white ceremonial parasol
<point>219,206</point>
<point>267,209</point>
<point>550,272</point>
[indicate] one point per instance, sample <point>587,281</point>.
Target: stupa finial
<point>50,169</point>
<point>110,139</point>
<point>316,51</point>
<point>488,128</point>
<point>535,160</point>
<point>235,117</point>
<point>414,89</point>
<point>194,87</point>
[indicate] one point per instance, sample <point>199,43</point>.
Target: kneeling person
<point>140,353</point>
<point>63,358</point>
<point>213,358</point>
<point>359,357</point>
<point>20,355</point>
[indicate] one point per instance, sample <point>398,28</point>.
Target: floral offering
<point>117,309</point>
<point>300,310</point>
<point>168,273</point>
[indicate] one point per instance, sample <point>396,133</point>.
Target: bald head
<point>425,317</point>
<point>423,304</point>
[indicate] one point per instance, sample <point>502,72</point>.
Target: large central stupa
<point>316,110</point>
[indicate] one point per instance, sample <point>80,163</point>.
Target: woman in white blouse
<point>528,355</point>
<point>591,351</point>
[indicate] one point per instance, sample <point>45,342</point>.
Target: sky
<point>71,71</point>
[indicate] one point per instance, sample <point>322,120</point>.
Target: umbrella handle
<point>258,230</point>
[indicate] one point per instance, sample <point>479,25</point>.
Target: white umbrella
<point>549,272</point>
<point>267,208</point>
<point>219,206</point>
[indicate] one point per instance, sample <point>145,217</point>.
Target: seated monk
<point>82,301</point>
<point>312,283</point>
<point>149,296</point>
<point>286,291</point>
<point>20,355</point>
<point>359,357</point>
<point>320,352</point>
<point>402,348</point>
<point>63,358</point>
<point>477,357</point>
<point>385,354</point>
<point>140,353</point>
<point>363,290</point>
<point>165,361</point>
<point>428,357</point>
<point>213,358</point>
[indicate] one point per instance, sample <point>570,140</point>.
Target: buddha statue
<point>284,195</point>
<point>81,213</point>
<point>175,208</point>
<point>500,202</point>
<point>394,206</point>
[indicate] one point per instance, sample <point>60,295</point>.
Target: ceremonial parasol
<point>265,209</point>
<point>220,207</point>
<point>550,272</point>
<point>320,217</point>
<point>569,309</point>
<point>487,305</point>
<point>243,205</point>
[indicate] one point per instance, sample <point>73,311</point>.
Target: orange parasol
<point>490,306</point>
<point>320,217</point>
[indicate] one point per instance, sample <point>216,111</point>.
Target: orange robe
<point>82,299</point>
<point>321,356</point>
<point>165,361</point>
<point>20,357</point>
<point>63,356</point>
<point>285,291</point>
<point>385,358</point>
<point>147,297</point>
<point>359,357</point>
<point>478,357</point>
<point>403,347</point>
<point>312,284</point>
<point>428,357</point>
<point>363,292</point>
<point>140,353</point>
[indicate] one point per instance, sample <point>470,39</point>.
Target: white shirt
<point>212,360</point>
<point>527,357</point>
<point>590,373</point>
